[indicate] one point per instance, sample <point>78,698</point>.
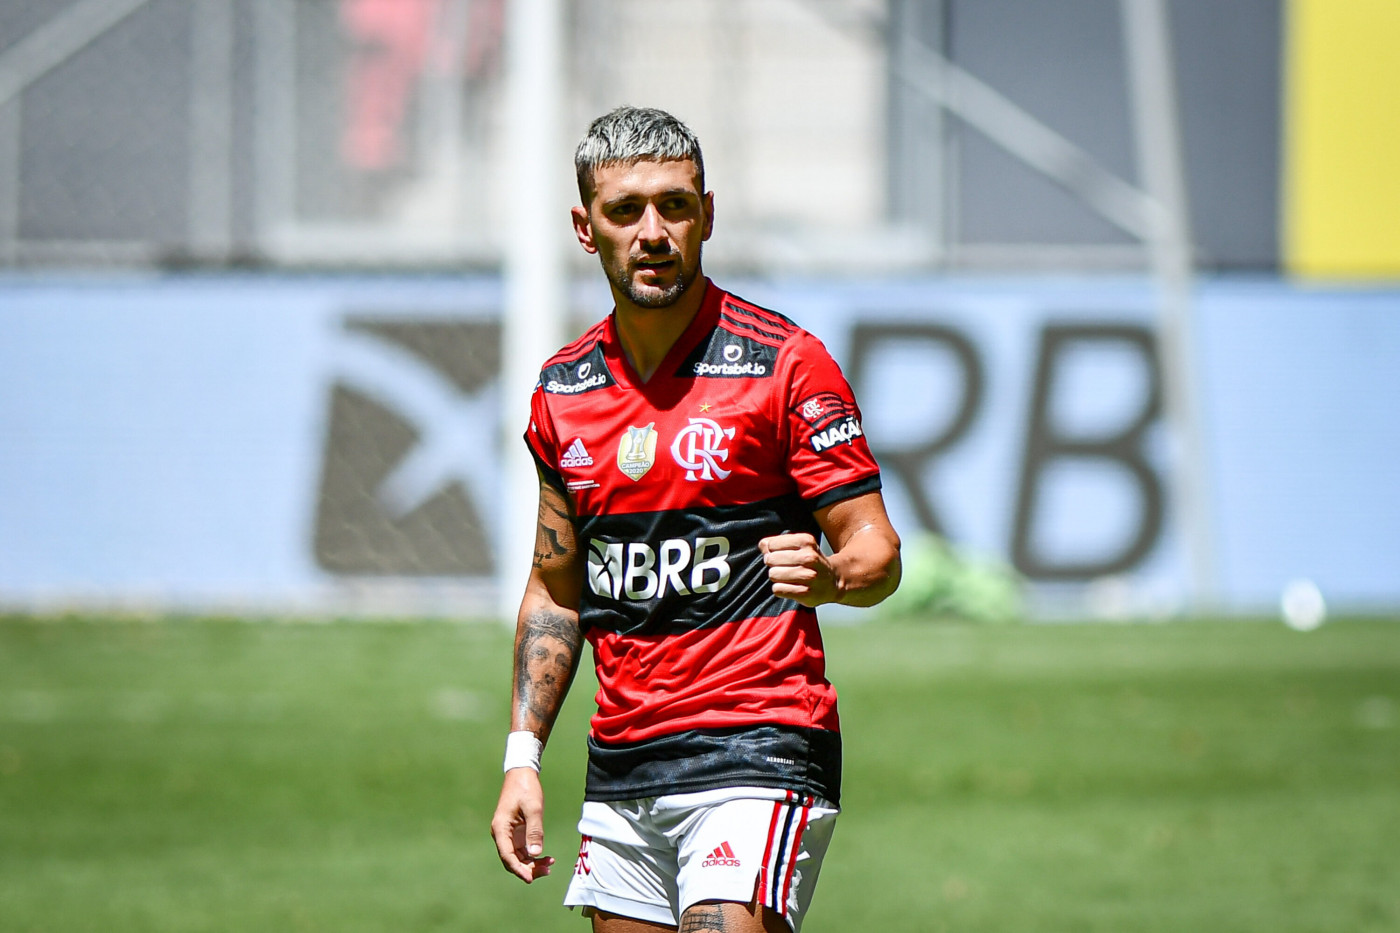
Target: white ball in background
<point>1303,606</point>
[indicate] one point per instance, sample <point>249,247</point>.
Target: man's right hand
<point>518,826</point>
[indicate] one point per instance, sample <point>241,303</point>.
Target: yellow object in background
<point>1341,198</point>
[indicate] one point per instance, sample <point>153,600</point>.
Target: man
<point>692,449</point>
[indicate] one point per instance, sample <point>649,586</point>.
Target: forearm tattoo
<point>547,544</point>
<point>546,657</point>
<point>705,918</point>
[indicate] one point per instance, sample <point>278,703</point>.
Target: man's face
<point>646,221</point>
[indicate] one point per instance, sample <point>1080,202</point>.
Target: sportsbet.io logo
<point>587,379</point>
<point>731,366</point>
<point>408,475</point>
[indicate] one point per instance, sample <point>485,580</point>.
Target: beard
<point>621,276</point>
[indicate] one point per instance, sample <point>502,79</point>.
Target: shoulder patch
<point>831,418</point>
<point>822,408</point>
<point>729,355</point>
<point>584,374</point>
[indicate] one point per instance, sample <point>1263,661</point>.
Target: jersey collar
<point>704,321</point>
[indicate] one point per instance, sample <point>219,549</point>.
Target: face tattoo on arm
<point>546,659</point>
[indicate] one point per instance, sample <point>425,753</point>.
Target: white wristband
<point>523,751</point>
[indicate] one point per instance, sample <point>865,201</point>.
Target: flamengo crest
<point>698,448</point>
<point>636,452</point>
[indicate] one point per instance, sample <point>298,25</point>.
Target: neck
<point>647,334</point>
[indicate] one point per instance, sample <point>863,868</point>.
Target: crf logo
<point>698,449</point>
<point>634,570</point>
<point>823,408</point>
<point>582,867</point>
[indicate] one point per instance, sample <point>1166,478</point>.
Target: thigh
<point>604,922</point>
<point>728,917</point>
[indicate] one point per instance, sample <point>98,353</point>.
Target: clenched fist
<point>799,570</point>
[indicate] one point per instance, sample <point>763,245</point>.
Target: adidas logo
<point>723,855</point>
<point>576,456</point>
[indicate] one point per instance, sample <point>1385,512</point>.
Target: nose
<point>651,231</point>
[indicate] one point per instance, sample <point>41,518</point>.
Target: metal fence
<point>848,135</point>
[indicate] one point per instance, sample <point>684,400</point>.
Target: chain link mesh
<point>370,132</point>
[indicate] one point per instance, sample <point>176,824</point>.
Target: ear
<point>583,229</point>
<point>707,205</point>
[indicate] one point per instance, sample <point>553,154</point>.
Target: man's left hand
<point>798,569</point>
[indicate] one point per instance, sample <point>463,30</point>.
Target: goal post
<point>534,267</point>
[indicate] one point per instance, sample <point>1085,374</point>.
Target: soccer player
<point>693,448</point>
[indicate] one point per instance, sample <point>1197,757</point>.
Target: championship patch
<point>636,451</point>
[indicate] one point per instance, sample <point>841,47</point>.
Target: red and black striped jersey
<point>705,678</point>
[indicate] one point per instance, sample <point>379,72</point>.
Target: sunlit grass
<point>222,775</point>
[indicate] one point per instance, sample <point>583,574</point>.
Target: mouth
<point>656,264</point>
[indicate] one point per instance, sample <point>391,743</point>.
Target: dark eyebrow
<point>668,193</point>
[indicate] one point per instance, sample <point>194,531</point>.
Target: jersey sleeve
<point>827,452</point>
<point>541,439</point>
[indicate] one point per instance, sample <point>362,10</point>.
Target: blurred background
<point>1117,283</point>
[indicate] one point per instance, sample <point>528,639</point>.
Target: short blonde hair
<point>631,134</point>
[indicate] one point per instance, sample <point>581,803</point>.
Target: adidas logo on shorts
<point>721,856</point>
<point>576,456</point>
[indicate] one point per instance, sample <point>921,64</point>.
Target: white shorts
<point>650,859</point>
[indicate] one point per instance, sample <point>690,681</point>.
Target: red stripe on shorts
<point>796,847</point>
<point>768,846</point>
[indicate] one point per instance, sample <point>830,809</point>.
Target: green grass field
<point>230,776</point>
